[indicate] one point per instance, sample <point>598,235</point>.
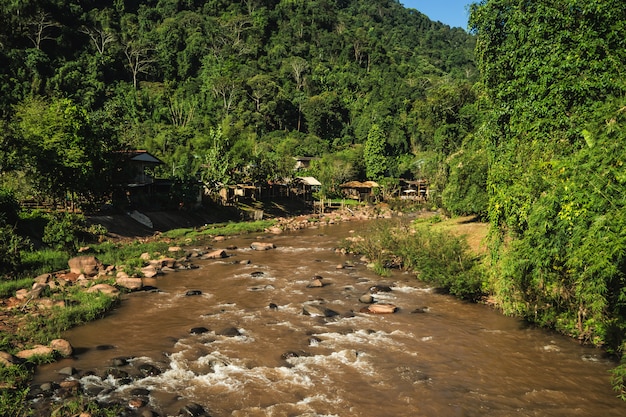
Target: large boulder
<point>262,246</point>
<point>38,350</point>
<point>380,309</point>
<point>216,254</point>
<point>130,283</point>
<point>62,346</point>
<point>317,310</point>
<point>87,265</point>
<point>104,288</point>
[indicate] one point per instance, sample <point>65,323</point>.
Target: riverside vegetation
<point>519,121</point>
<point>25,326</point>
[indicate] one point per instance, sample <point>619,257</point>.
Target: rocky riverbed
<point>87,272</point>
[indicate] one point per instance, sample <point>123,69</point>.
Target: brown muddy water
<point>449,359</point>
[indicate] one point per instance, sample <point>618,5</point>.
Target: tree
<point>59,149</point>
<point>139,58</point>
<point>374,154</point>
<point>552,73</point>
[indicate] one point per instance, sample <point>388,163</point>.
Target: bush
<point>435,256</point>
<point>11,247</point>
<point>9,207</point>
<point>63,230</point>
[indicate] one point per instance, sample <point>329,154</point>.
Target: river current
<point>254,353</point>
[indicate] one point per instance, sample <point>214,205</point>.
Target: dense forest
<point>520,121</point>
<point>227,92</point>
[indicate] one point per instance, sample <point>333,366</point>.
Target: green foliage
<point>43,260</point>
<point>167,76</point>
<point>552,74</point>
<point>9,207</point>
<point>435,256</point>
<point>8,288</point>
<point>465,191</point>
<point>63,231</point>
<point>618,379</point>
<point>11,247</point>
<point>13,399</point>
<point>374,154</point>
<point>81,307</point>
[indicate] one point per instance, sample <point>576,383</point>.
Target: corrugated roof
<point>309,181</point>
<point>359,184</point>
<point>144,156</point>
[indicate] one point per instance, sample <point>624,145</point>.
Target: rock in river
<point>379,309</point>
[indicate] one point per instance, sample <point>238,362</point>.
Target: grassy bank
<point>429,249</point>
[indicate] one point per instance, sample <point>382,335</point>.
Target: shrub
<point>11,247</point>
<point>63,230</point>
<point>435,256</point>
<point>9,207</point>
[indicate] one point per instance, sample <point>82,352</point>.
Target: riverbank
<point>32,318</point>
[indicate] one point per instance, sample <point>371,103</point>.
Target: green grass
<point>44,261</point>
<point>81,307</point>
<point>8,288</point>
<point>219,229</point>
<point>435,256</point>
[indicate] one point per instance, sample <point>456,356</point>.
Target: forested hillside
<point>228,91</point>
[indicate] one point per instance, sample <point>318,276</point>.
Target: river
<point>261,356</point>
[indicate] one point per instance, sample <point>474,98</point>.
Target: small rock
<point>38,350</point>
<point>216,254</point>
<point>316,310</point>
<point>230,332</point>
<point>129,283</point>
<point>105,347</point>
<point>149,370</point>
<point>68,370</point>
<point>315,283</point>
<point>191,293</point>
<point>149,271</point>
<point>105,289</point>
<point>380,309</point>
<point>62,346</point>
<point>380,288</point>
<point>7,359</point>
<point>121,361</point>
<point>366,299</point>
<point>140,392</point>
<point>43,278</point>
<point>288,355</point>
<point>136,403</point>
<point>314,341</point>
<point>70,385</point>
<point>198,330</point>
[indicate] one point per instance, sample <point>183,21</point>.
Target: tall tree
<point>374,154</point>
